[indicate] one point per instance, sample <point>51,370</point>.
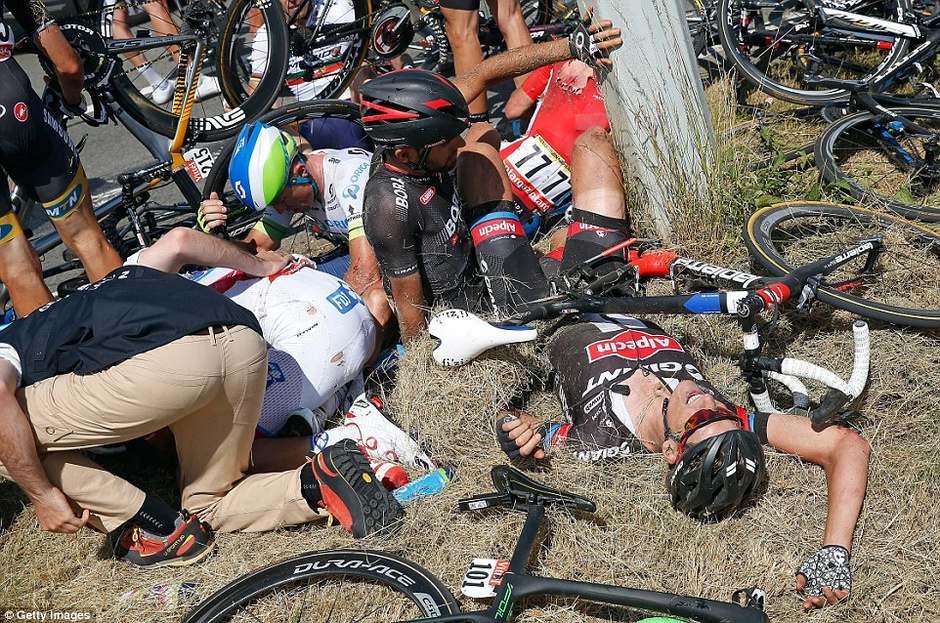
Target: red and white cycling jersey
<point>538,163</point>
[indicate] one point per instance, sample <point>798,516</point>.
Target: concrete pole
<point>658,114</point>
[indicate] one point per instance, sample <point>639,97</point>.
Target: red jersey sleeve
<point>535,84</point>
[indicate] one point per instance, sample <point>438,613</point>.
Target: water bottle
<point>429,484</point>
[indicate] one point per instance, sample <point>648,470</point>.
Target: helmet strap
<point>423,158</point>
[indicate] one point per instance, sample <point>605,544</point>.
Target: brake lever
<point>807,294</point>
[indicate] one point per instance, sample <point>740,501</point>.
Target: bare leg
<point>81,233</point>
<point>482,133</point>
<point>21,272</point>
<point>596,179</point>
<point>463,32</point>
<point>481,174</point>
<point>160,21</point>
<point>512,24</point>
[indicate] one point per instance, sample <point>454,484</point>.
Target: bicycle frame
<point>517,586</point>
<point>170,163</point>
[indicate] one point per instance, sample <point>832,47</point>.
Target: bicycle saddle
<point>463,336</point>
<point>516,489</point>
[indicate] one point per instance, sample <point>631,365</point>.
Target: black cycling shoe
<point>351,491</point>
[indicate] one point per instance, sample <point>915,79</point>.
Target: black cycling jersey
<point>416,224</point>
<point>591,357</point>
<point>35,149</point>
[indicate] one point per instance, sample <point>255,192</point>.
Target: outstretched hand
<point>273,261</point>
<point>825,578</point>
<point>593,43</point>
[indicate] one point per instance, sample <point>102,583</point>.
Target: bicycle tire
<point>845,136</point>
<point>727,34</point>
<point>429,596</point>
<point>325,87</point>
<point>217,178</point>
<point>233,89</point>
<point>767,227</point>
<point>215,126</point>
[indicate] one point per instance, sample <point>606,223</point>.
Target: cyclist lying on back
<point>276,171</point>
<point>416,216</point>
<point>538,163</point>
<point>626,386</point>
<point>320,336</point>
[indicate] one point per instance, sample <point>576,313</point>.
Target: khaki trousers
<point>208,390</point>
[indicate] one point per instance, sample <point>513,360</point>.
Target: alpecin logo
<point>496,227</point>
<point>631,345</point>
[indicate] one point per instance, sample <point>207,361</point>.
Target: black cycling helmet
<point>715,476</point>
<point>412,107</point>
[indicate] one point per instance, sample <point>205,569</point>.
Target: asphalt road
<point>109,151</point>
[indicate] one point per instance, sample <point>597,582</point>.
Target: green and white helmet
<point>260,165</point>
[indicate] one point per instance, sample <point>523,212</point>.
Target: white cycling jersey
<point>345,173</point>
<point>320,335</point>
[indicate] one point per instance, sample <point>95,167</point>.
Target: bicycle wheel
<point>342,585</point>
<point>145,82</point>
<point>292,115</point>
<point>253,54</point>
<point>774,45</point>
<point>878,161</point>
<point>327,43</point>
<point>905,286</point>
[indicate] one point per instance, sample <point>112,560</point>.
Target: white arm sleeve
<point>9,354</point>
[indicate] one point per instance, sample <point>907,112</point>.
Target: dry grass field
<point>635,538</point>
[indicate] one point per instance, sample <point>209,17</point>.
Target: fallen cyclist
<point>320,337</point>
<point>138,351</point>
<point>277,172</point>
<point>439,208</point>
<point>627,387</point>
<point>538,163</point>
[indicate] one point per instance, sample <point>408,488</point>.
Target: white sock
<point>151,75</point>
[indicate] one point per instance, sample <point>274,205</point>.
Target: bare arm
<point>19,456</point>
<point>408,294</point>
<point>17,445</point>
<point>843,454</point>
<point>183,246</point>
<point>519,102</point>
<point>365,277</point>
<point>68,66</point>
<point>519,61</point>
<point>262,241</point>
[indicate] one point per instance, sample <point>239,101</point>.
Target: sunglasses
<point>699,419</point>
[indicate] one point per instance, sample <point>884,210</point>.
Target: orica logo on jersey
<point>343,299</point>
<point>631,345</point>
<point>275,375</point>
<point>352,191</point>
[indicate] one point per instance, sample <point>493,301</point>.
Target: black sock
<point>156,516</point>
<point>309,487</point>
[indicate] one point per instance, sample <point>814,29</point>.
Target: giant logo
<point>632,345</point>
